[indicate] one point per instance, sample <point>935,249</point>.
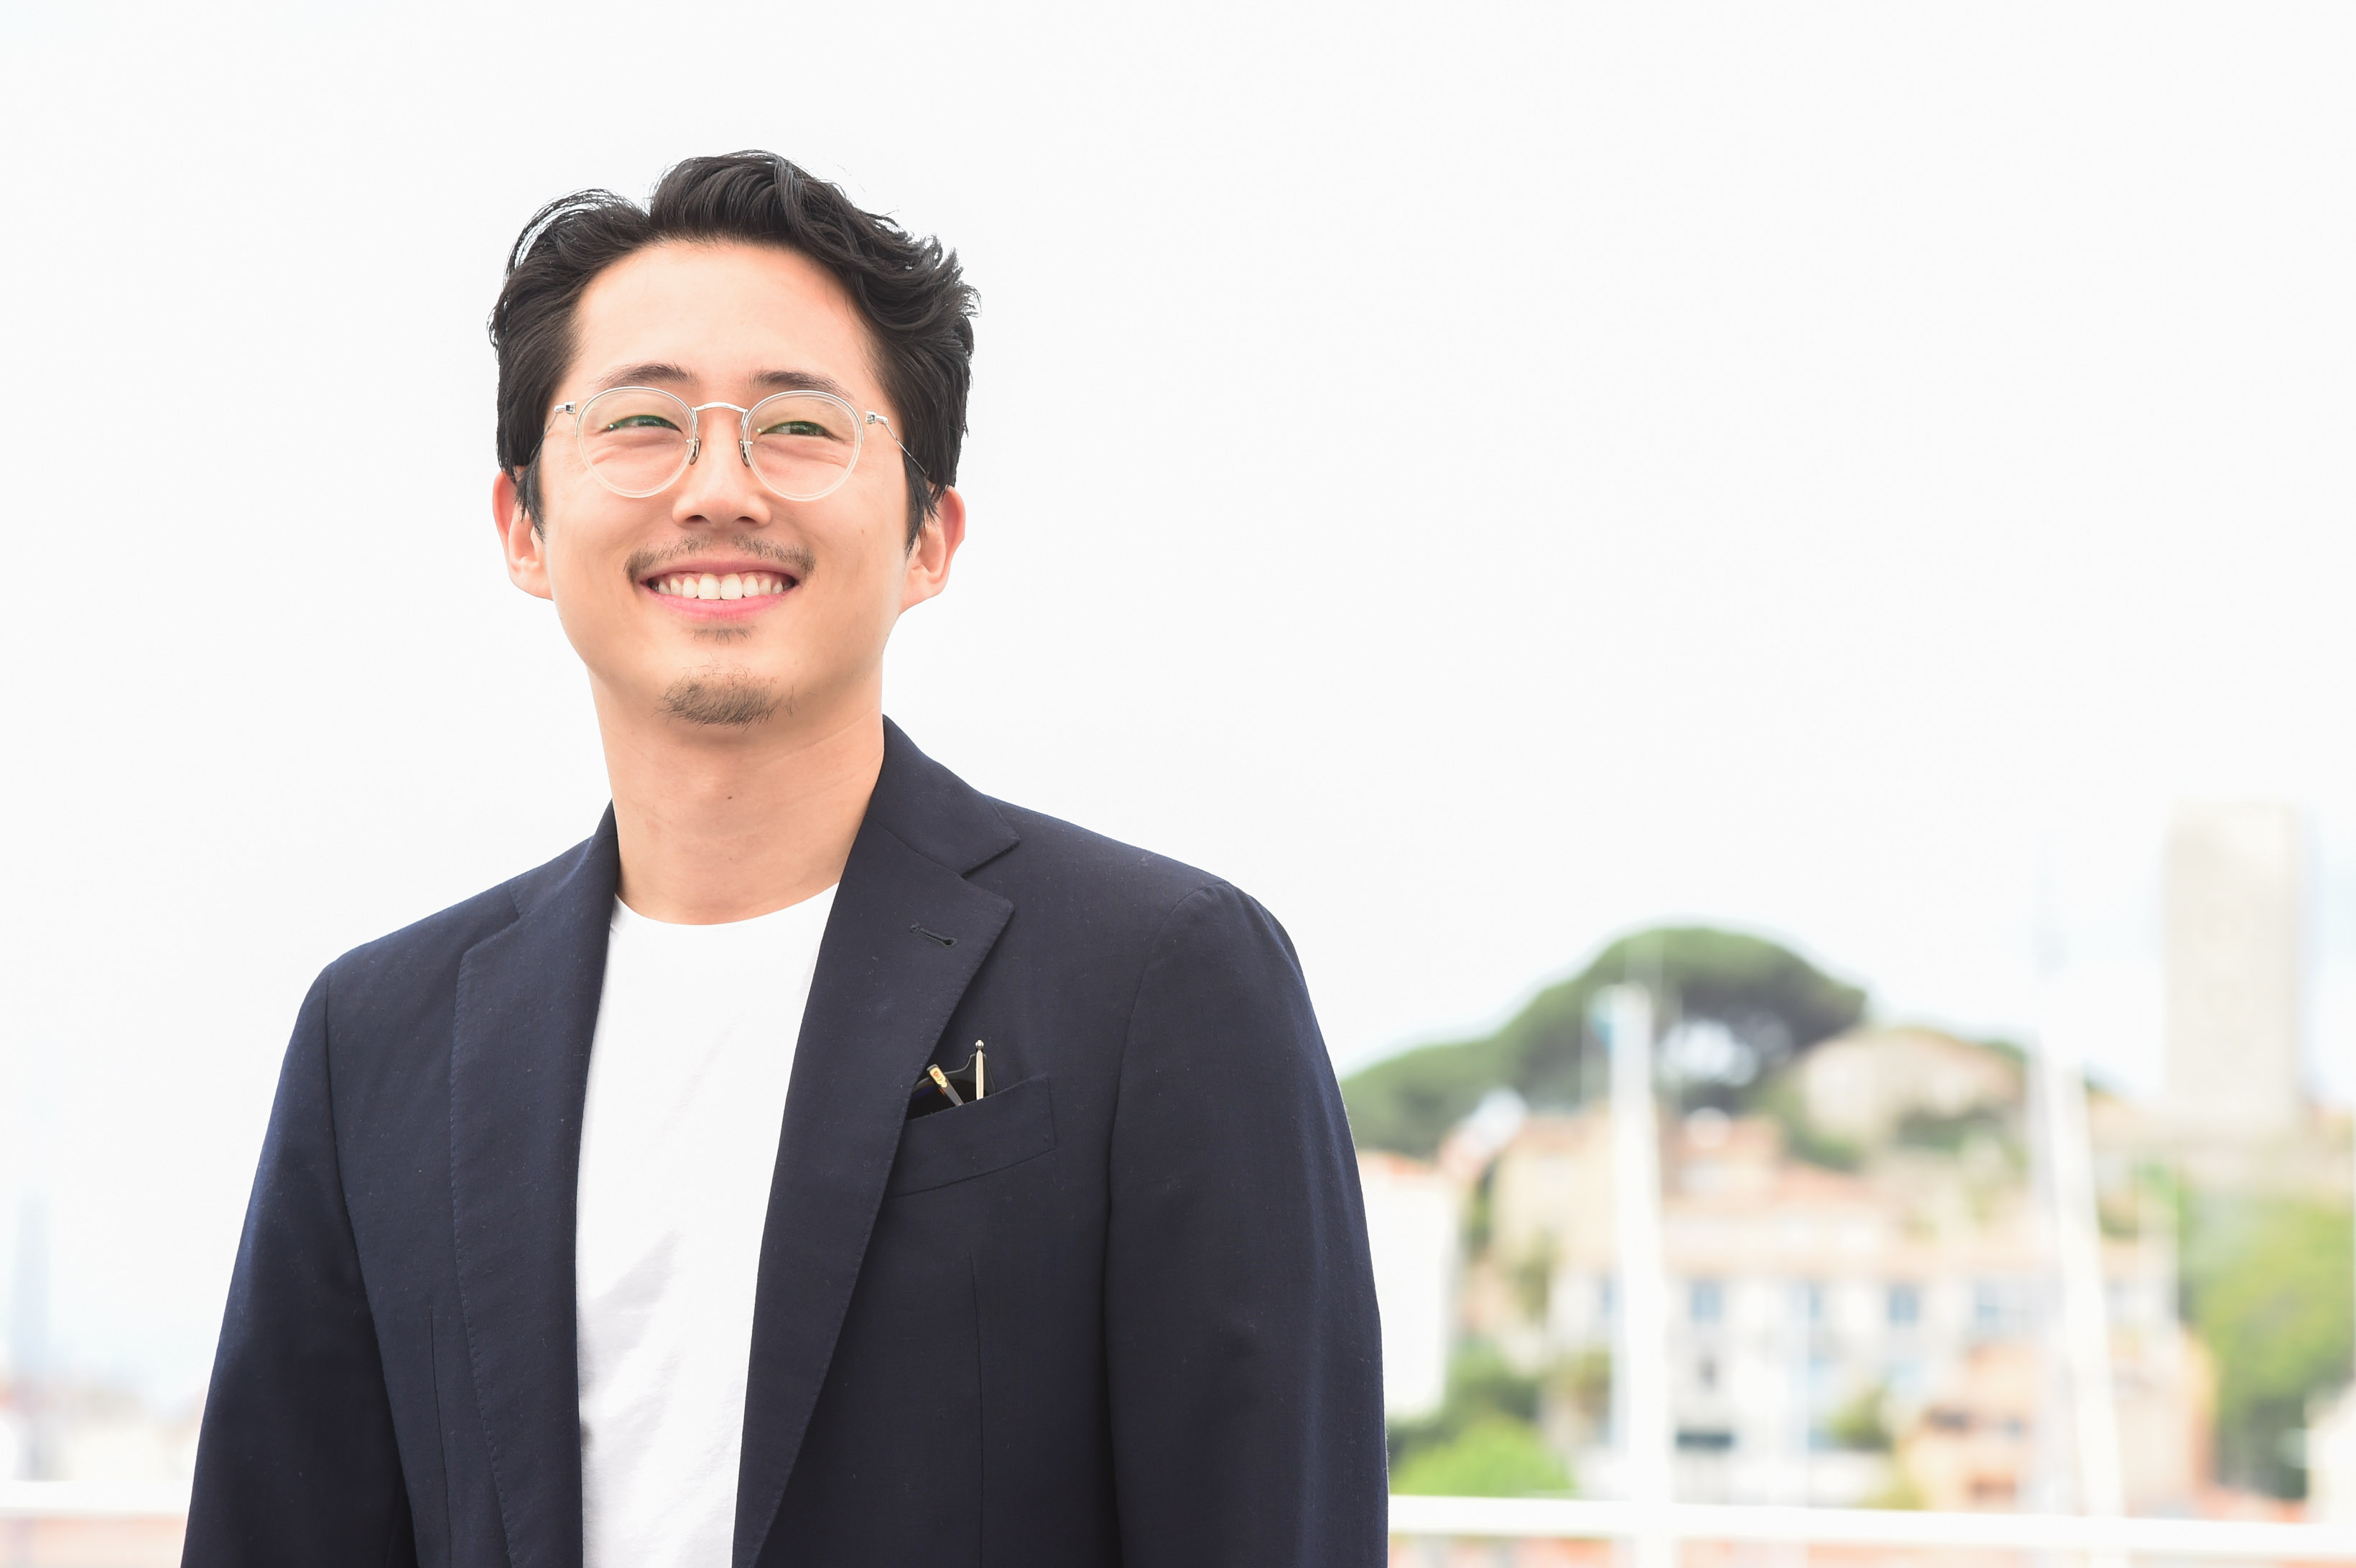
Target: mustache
<point>650,562</point>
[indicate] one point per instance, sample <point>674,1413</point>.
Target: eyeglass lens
<point>636,441</point>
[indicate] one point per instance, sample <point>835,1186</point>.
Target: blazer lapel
<point>885,985</point>
<point>527,1008</point>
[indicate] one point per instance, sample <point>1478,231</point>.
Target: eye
<point>795,427</point>
<point>642,421</point>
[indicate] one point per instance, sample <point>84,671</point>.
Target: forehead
<point>724,314</point>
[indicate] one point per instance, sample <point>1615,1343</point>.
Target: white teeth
<point>733,585</point>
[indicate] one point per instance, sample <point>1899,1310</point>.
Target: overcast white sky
<point>1481,477</point>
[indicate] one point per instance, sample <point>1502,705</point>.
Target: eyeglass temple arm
<point>874,418</point>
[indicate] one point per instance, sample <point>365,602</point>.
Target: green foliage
<point>1578,1387</point>
<point>1532,1280</point>
<point>2267,1286</point>
<point>1948,1135</point>
<point>1495,1457</point>
<point>1862,1423</point>
<point>1481,1213</point>
<point>1773,1001</point>
<point>1902,1491</point>
<point>1482,1381</point>
<point>1585,1380</point>
<point>1410,1102</point>
<point>1781,1100</point>
<point>1482,1384</point>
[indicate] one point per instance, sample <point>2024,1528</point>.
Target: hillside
<point>1769,1003</point>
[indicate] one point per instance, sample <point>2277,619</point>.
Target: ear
<point>525,547</point>
<point>936,546</point>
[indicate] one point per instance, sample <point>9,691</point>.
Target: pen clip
<point>975,1074</point>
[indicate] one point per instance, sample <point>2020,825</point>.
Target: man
<point>822,1164</point>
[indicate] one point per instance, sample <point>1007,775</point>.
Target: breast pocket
<point>1015,1124</point>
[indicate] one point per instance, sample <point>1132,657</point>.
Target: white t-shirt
<point>688,1070</point>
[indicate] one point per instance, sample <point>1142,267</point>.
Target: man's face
<point>818,584</point>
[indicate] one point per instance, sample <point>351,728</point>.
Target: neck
<point>718,826</point>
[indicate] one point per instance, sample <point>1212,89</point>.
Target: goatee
<point>732,697</point>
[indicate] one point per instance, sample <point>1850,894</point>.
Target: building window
<point>1706,1302</point>
<point>1905,1307</point>
<point>1823,1385</point>
<point>1996,1309</point>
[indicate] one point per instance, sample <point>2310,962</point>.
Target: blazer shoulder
<point>1109,882</point>
<point>429,950</point>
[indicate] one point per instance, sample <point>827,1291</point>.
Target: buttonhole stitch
<point>933,936</point>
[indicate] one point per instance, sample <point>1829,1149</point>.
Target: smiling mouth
<point>712,585</point>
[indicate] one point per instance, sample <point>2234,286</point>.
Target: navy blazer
<point>1119,1311</point>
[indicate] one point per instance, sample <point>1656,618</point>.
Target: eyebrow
<point>658,372</point>
<point>801,381</point>
<point>647,374</point>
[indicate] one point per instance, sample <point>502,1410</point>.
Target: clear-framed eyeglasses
<point>637,441</point>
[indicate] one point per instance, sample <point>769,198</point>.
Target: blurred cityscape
<point>1861,1232</point>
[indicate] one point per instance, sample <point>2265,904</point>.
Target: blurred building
<point>1975,1443</point>
<point>1411,1230</point>
<point>1836,1335</point>
<point>1865,1085</point>
<point>2235,892</point>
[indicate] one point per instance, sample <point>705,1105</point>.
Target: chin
<point>726,699</point>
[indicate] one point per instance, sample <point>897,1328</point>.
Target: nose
<point>719,488</point>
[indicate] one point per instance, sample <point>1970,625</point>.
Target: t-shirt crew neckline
<point>626,915</point>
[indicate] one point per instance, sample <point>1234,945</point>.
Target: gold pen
<point>941,1082</point>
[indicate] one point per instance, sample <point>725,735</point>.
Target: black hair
<point>912,293</point>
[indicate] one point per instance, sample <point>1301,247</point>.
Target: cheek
<point>866,564</point>
<point>884,582</point>
<point>585,549</point>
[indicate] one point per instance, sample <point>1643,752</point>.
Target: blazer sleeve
<point>1243,1355</point>
<point>296,1462</point>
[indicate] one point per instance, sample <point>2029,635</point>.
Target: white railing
<point>1536,1519</point>
<point>1541,1518</point>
